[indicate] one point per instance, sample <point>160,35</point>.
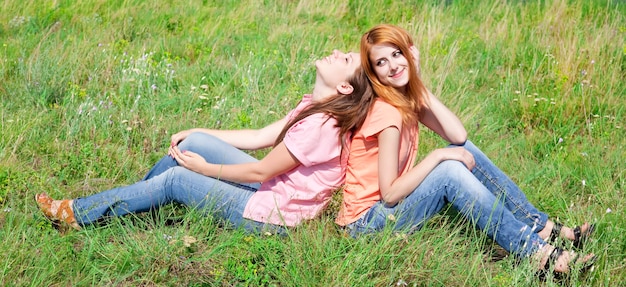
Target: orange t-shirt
<point>362,190</point>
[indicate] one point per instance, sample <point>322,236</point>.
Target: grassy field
<point>90,92</point>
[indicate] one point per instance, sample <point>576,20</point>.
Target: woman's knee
<point>468,145</point>
<point>446,172</point>
<point>175,173</point>
<point>197,140</point>
<point>453,168</point>
<point>457,174</point>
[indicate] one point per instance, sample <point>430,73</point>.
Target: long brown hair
<point>410,102</point>
<point>350,110</point>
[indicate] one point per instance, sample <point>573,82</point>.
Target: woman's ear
<point>345,88</point>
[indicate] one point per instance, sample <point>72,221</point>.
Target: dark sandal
<point>579,236</point>
<point>587,265</point>
<point>556,232</point>
<point>559,276</point>
<point>584,266</point>
<point>554,256</point>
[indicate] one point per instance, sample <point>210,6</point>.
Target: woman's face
<point>337,67</point>
<point>390,65</point>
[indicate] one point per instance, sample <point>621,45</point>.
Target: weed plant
<point>91,91</point>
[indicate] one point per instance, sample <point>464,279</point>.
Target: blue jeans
<point>167,183</point>
<point>503,187</point>
<point>452,183</point>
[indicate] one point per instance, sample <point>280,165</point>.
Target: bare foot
<point>565,232</point>
<point>547,230</point>
<point>560,260</point>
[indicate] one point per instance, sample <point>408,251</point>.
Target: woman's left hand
<point>416,58</point>
<point>187,159</point>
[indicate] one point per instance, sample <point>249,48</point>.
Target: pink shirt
<point>303,192</point>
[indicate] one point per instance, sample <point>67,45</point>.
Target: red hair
<point>411,101</point>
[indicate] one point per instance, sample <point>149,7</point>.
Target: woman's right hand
<point>458,154</point>
<point>180,136</point>
<point>176,139</point>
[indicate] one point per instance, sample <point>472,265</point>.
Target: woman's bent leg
<point>212,149</point>
<point>178,184</point>
<point>498,183</point>
<point>468,195</point>
<point>451,182</point>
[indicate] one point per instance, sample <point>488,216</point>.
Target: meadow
<point>91,91</point>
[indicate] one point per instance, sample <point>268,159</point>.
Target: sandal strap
<point>589,264</point>
<point>580,237</point>
<point>554,256</point>
<point>65,212</point>
<point>584,266</point>
<point>43,201</point>
<point>556,232</point>
<point>577,233</point>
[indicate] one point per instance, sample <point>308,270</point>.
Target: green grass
<point>90,92</point>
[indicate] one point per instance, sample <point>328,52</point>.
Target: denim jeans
<point>167,183</point>
<point>452,183</point>
<point>503,187</point>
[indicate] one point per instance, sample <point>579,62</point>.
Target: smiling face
<point>389,59</point>
<point>337,67</point>
<point>390,65</point>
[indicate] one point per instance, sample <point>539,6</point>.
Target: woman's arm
<point>247,139</point>
<point>437,117</point>
<point>394,188</point>
<point>278,161</point>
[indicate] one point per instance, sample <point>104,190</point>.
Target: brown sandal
<point>62,213</point>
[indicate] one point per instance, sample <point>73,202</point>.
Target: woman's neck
<point>321,92</point>
<point>402,90</point>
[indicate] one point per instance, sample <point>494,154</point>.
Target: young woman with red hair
<point>384,187</point>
